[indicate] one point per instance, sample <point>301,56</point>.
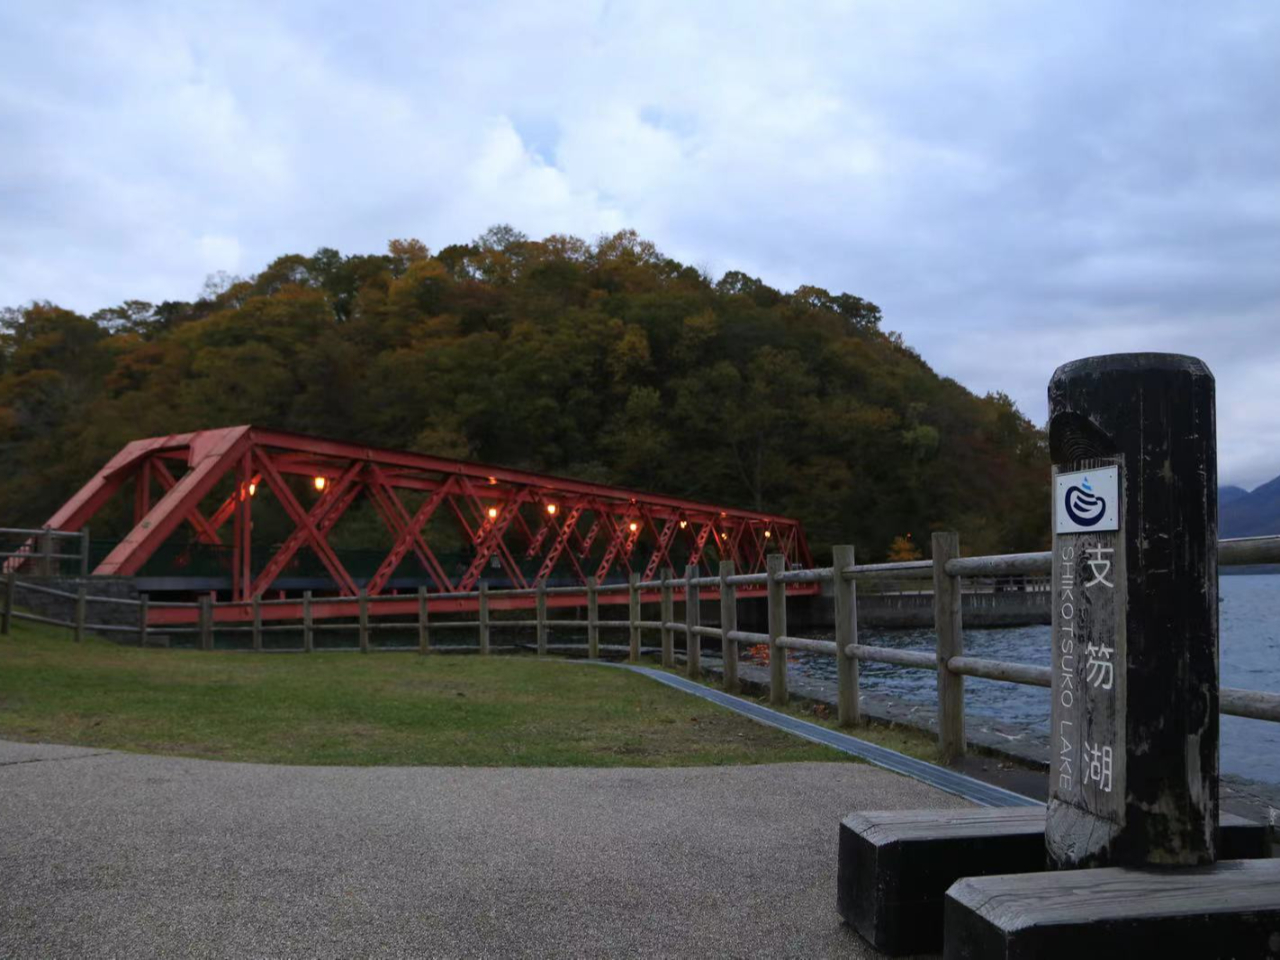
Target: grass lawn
<point>352,709</point>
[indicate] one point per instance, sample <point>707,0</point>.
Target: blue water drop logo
<point>1084,507</point>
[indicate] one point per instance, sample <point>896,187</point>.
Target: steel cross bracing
<point>483,517</point>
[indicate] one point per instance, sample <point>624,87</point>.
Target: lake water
<point>1249,658</point>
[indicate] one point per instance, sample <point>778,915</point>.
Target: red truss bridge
<point>494,522</point>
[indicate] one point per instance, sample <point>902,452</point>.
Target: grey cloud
<point>1015,184</point>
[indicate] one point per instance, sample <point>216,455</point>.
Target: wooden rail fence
<point>946,570</point>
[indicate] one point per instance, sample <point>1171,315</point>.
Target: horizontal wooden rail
<point>1001,670</point>
<point>1254,704</point>
<point>902,658</point>
<point>1248,550</point>
<point>819,575</point>
<point>1013,564</point>
<point>812,646</point>
<point>906,570</point>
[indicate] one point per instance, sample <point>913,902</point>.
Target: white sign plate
<point>1087,501</point>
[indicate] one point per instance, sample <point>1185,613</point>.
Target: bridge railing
<point>40,551</point>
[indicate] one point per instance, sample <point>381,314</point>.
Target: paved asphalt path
<point>107,854</point>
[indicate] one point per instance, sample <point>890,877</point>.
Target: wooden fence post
<point>728,625</point>
<point>633,614</point>
<point>80,608</point>
<point>777,630</point>
<point>593,620</point>
<point>6,617</point>
<point>206,622</point>
<point>947,624</point>
<point>484,618</point>
<point>143,604</point>
<point>308,626</point>
<point>46,551</point>
<point>667,614</point>
<point>364,620</point>
<point>84,552</point>
<point>845,593</point>
<point>542,618</point>
<point>256,603</point>
<point>692,619</point>
<point>424,633</point>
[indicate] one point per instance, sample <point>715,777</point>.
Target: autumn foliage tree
<point>603,360</point>
<point>903,549</point>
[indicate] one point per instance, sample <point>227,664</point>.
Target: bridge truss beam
<point>560,528</point>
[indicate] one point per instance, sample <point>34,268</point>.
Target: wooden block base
<point>1230,909</point>
<point>895,866</point>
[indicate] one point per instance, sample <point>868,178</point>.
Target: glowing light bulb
<point>320,483</point>
<point>253,488</point>
<point>493,513</point>
<point>767,534</point>
<point>552,508</point>
<point>683,524</point>
<point>633,526</point>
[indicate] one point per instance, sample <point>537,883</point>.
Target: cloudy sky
<point>1016,184</point>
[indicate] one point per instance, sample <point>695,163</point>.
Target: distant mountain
<point>1228,494</point>
<point>1254,514</point>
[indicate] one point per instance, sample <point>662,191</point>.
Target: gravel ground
<point>106,854</point>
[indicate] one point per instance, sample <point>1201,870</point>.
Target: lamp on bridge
<point>321,483</point>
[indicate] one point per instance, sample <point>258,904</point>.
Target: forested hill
<point>605,361</point>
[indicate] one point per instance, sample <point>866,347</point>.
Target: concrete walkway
<point>115,855</point>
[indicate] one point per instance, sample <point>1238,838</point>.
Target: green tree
<point>601,359</point>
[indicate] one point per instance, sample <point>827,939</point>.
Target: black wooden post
<point>362,614</point>
<point>667,616</point>
<point>424,629</point>
<point>542,617</point>
<point>6,616</point>
<point>1134,777</point>
<point>483,617</point>
<point>80,612</point>
<point>728,625</point>
<point>593,620</point>
<point>692,621</point>
<point>308,626</point>
<point>633,616</point>
<point>206,622</point>
<point>256,633</point>
<point>775,563</point>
